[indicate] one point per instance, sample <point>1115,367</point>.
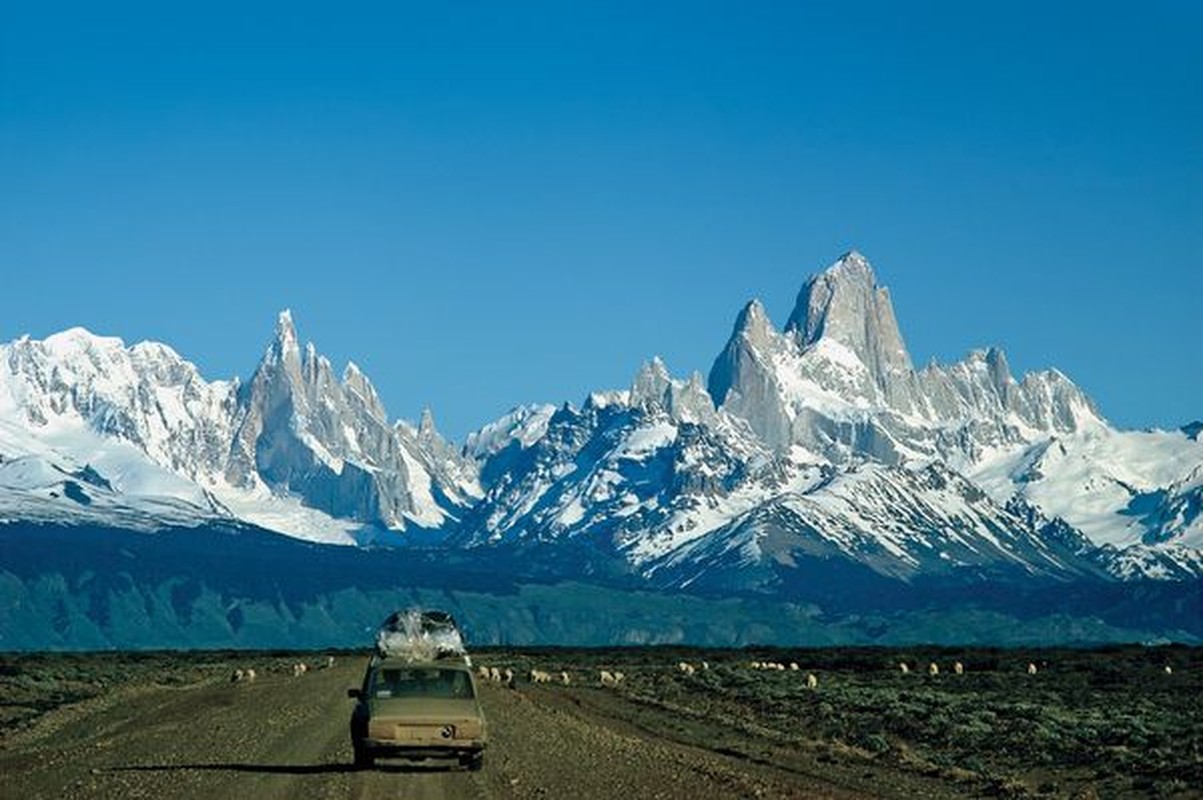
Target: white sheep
<point>507,677</point>
<point>539,676</point>
<point>1031,669</point>
<point>249,675</point>
<point>958,668</point>
<point>904,668</point>
<point>618,677</point>
<point>755,665</point>
<point>933,669</point>
<point>237,676</point>
<point>565,679</point>
<point>298,670</point>
<point>494,675</point>
<point>1169,670</point>
<point>329,662</point>
<point>793,666</point>
<point>812,681</point>
<point>686,668</point>
<point>607,678</point>
<point>705,667</point>
<point>482,672</point>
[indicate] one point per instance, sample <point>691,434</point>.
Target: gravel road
<point>285,737</point>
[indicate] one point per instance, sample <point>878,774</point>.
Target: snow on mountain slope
<point>676,499</point>
<point>808,446</point>
<point>1118,487</point>
<point>295,449</point>
<point>145,395</point>
<point>893,521</point>
<point>524,425</point>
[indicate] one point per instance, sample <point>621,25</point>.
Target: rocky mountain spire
<point>753,333</point>
<point>329,441</point>
<point>845,304</point>
<point>744,377</point>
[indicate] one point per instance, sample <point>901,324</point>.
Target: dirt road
<point>283,737</point>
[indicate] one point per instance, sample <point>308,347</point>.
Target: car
<point>418,710</point>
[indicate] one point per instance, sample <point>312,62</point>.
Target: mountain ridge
<point>669,479</point>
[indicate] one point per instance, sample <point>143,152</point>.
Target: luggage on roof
<point>420,635</point>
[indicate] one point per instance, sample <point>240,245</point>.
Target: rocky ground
<point>1089,723</point>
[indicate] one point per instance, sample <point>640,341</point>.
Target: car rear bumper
<point>450,749</point>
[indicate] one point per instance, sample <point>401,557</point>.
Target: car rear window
<point>421,682</point>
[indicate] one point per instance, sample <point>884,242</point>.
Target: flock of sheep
<point>506,676</point>
<point>298,669</point>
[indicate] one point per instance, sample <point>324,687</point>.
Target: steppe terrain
<point>1102,723</point>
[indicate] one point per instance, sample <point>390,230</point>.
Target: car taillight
<point>468,729</point>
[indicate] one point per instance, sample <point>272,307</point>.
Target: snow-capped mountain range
<point>814,447</point>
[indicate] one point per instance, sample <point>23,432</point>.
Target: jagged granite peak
<point>744,379</point>
<point>358,386</point>
<point>652,384</point>
<point>838,382</point>
<point>844,303</point>
<point>426,426</point>
<point>302,431</point>
<point>752,337</point>
<point>690,402</point>
<point>654,388</point>
<point>286,330</point>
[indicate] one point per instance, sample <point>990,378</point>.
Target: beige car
<point>417,711</point>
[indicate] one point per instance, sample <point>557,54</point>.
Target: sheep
<point>705,667</point>
<point>755,665</point>
<point>564,679</point>
<point>958,668</point>
<point>237,676</point>
<point>482,672</point>
<point>812,681</point>
<point>298,670</point>
<point>1169,670</point>
<point>686,668</point>
<point>494,675</point>
<point>933,669</point>
<point>793,666</point>
<point>904,668</point>
<point>618,677</point>
<point>508,677</point>
<point>539,676</point>
<point>1031,669</point>
<point>249,675</point>
<point>329,662</point>
<point>607,678</point>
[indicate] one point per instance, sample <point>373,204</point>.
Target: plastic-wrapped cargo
<point>420,636</point>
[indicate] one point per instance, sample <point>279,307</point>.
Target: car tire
<point>364,759</point>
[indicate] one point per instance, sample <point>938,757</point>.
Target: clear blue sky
<point>512,202</point>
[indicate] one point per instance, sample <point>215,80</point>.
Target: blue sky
<point>508,203</point>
